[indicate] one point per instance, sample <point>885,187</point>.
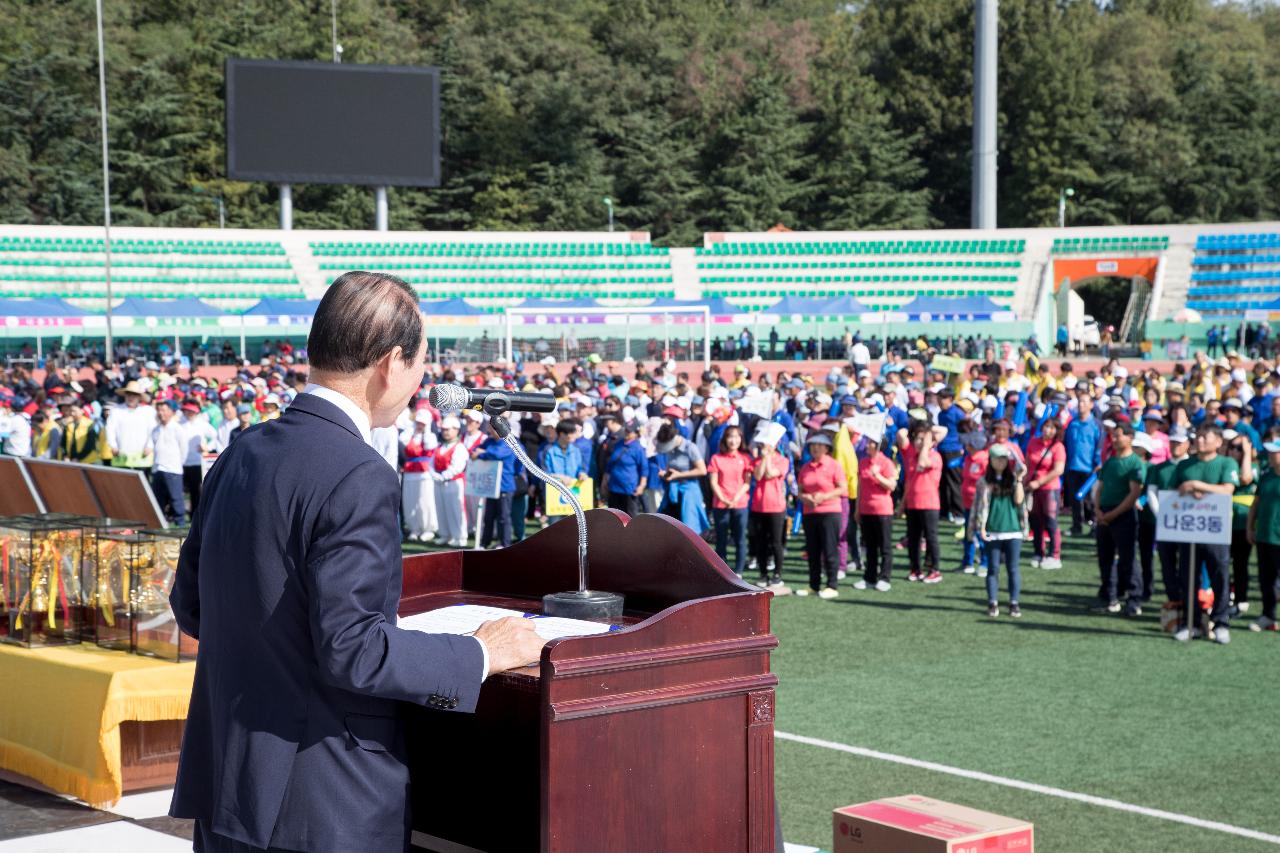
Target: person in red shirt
<point>975,466</point>
<point>768,517</point>
<point>877,478</point>
<point>1046,460</point>
<point>822,483</point>
<point>922,472</point>
<point>729,475</point>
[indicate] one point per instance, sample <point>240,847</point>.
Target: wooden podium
<point>657,737</point>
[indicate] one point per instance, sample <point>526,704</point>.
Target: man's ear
<point>385,363</point>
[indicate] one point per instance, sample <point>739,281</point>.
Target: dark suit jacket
<point>290,579</point>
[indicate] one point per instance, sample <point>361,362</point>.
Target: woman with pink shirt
<point>1046,460</point>
<point>1153,425</point>
<point>922,470</point>
<point>729,475</point>
<point>768,516</point>
<point>822,482</point>
<point>877,478</point>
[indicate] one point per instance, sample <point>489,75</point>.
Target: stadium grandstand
<point>1006,284</point>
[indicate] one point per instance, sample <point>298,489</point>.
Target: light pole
<point>608,203</point>
<point>1066,193</point>
<point>109,355</point>
<point>217,197</point>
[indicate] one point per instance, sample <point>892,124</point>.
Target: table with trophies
<point>96,674</point>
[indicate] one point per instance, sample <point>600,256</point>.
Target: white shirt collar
<point>343,402</point>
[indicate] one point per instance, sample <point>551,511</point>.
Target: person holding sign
<point>1263,530</point>
<point>497,520</point>
<point>1207,472</point>
<point>1116,493</point>
<point>1159,479</point>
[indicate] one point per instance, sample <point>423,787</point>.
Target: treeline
<point>693,115</point>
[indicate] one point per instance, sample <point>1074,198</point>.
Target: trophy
<point>39,581</point>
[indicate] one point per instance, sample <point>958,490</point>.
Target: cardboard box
<point>915,824</point>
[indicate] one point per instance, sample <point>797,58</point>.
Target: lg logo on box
<point>855,833</point>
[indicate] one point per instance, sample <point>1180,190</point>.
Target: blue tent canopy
<point>811,305</point>
<point>717,304</point>
<point>952,305</point>
<point>38,308</point>
<point>132,307</point>
<point>842,305</point>
<point>450,308</point>
<point>553,304</point>
<point>287,307</point>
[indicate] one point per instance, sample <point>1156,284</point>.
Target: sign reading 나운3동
<point>1185,518</point>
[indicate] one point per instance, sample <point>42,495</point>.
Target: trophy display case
<point>83,589</point>
<point>155,629</point>
<point>39,581</point>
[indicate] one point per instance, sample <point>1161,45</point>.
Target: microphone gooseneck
<point>503,429</point>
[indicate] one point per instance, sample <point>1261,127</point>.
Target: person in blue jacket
<point>626,472</point>
<point>497,512</point>
<point>1083,440</point>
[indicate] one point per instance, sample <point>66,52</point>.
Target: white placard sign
<point>1184,518</point>
<point>484,478</point>
<point>871,426</point>
<point>759,404</point>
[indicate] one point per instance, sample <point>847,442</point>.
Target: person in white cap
<point>129,429</point>
<point>419,495</point>
<point>448,471</point>
<point>15,429</point>
<point>472,437</point>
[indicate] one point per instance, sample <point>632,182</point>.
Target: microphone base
<point>589,604</point>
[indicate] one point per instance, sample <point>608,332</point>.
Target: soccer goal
<point>614,333</point>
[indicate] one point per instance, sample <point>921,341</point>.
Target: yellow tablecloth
<point>61,709</point>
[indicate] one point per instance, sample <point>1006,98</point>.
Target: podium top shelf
<point>679,594</point>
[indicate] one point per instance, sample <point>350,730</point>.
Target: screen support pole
<point>286,207</point>
<point>380,208</point>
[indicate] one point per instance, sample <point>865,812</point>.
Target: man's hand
<point>512,643</point>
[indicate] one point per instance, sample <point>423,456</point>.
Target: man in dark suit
<point>290,579</point>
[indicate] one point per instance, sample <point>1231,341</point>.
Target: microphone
<point>493,401</point>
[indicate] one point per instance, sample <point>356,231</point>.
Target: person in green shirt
<point>1207,472</point>
<point>1240,448</point>
<point>1160,479</point>
<point>1115,495</point>
<point>1263,530</point>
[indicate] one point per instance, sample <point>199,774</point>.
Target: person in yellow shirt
<point>844,451</point>
<point>83,439</point>
<point>741,378</point>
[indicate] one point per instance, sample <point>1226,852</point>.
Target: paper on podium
<point>466,618</point>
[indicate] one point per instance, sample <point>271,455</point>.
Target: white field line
<point>1103,802</point>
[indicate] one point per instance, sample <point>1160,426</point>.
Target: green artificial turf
<point>1095,704</point>
<point>1092,703</point>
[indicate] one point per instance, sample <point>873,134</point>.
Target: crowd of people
<point>1008,453</point>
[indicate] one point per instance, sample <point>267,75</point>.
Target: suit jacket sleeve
<point>184,598</point>
<point>352,576</point>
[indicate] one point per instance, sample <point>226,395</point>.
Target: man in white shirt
<point>229,423</point>
<point>860,355</point>
<point>201,438</point>
<point>167,447</point>
<point>15,429</point>
<point>129,428</point>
